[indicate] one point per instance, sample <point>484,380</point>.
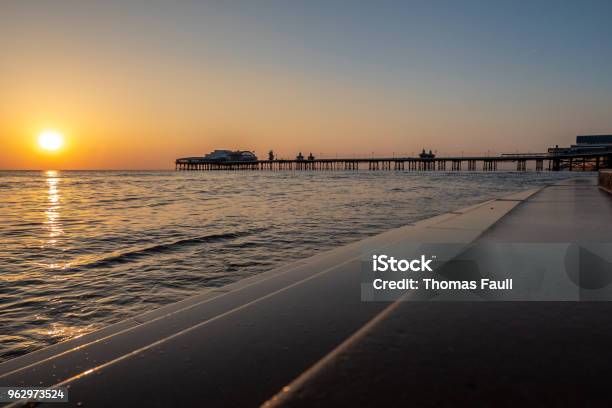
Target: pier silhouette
<point>424,162</point>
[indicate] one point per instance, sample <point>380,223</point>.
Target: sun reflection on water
<point>63,332</point>
<point>52,212</point>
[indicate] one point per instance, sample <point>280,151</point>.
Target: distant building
<point>594,140</point>
<point>299,157</point>
<point>311,157</point>
<point>230,155</point>
<point>585,144</point>
<point>424,155</point>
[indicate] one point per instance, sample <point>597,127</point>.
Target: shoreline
<point>353,215</point>
<point>155,328</point>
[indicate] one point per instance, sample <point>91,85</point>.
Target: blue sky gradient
<point>327,76</point>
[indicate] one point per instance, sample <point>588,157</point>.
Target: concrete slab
<point>480,218</point>
<point>501,354</point>
<point>481,354</point>
<point>38,356</point>
<point>558,215</point>
<point>578,181</point>
<point>472,207</point>
<point>521,195</point>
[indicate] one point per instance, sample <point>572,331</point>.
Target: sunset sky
<point>137,84</point>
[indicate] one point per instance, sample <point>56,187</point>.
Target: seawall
<point>605,180</point>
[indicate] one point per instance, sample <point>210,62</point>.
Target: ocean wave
<point>138,253</point>
<point>123,199</point>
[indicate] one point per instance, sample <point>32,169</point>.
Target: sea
<point>83,249</point>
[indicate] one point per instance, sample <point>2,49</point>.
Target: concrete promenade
<point>240,344</point>
<point>483,354</point>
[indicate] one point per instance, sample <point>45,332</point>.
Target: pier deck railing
<point>570,162</point>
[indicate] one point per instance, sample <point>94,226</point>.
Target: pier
<point>593,161</point>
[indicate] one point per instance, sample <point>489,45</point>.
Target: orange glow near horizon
<point>184,80</point>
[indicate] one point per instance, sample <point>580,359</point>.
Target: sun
<point>50,140</point>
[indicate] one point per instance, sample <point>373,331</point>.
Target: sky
<point>136,84</point>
